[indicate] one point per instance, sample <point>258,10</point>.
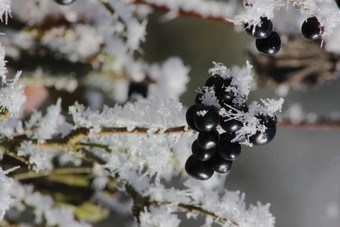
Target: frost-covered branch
<point>184,9</point>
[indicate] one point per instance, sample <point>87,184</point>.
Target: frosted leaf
<point>158,217</point>
<point>6,186</point>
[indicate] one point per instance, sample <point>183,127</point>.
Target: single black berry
<point>220,165</point>
<point>230,125</point>
<point>211,80</point>
<point>200,154</point>
<point>208,140</point>
<point>261,31</point>
<point>270,45</point>
<point>206,118</point>
<point>311,29</point>
<point>222,93</point>
<point>137,89</point>
<point>190,114</point>
<point>65,2</point>
<point>227,136</point>
<point>262,138</point>
<point>229,151</point>
<point>198,169</point>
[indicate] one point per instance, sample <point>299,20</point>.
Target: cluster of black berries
<point>268,42</point>
<point>212,151</point>
<point>64,2</point>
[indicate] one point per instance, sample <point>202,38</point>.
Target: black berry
<point>220,165</point>
<point>211,80</point>
<point>311,29</point>
<point>198,169</point>
<point>268,135</point>
<point>229,151</point>
<point>206,118</point>
<point>65,2</point>
<point>270,45</point>
<point>220,90</point>
<point>261,31</point>
<point>231,125</point>
<point>190,116</point>
<point>208,140</point>
<point>200,154</point>
<point>137,88</point>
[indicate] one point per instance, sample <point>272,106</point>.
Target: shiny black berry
<point>208,140</point>
<point>65,2</point>
<point>311,29</point>
<point>229,151</point>
<point>220,165</point>
<point>190,116</point>
<point>206,118</point>
<point>268,135</point>
<point>200,154</point>
<point>221,93</point>
<point>198,169</point>
<point>231,125</point>
<point>137,89</point>
<point>261,31</point>
<point>270,45</point>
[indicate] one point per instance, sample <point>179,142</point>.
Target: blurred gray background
<point>298,172</point>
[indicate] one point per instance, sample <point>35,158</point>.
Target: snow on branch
<point>154,113</point>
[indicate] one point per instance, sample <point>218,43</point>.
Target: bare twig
<point>320,125</point>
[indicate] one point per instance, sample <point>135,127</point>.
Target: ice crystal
<point>12,96</point>
<point>158,217</point>
<point>53,123</point>
<point>151,113</point>
<point>43,207</point>
<point>5,9</point>
<point>6,184</point>
<point>171,77</point>
<point>40,158</point>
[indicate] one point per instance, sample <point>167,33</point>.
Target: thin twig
<point>320,125</point>
<point>59,171</point>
